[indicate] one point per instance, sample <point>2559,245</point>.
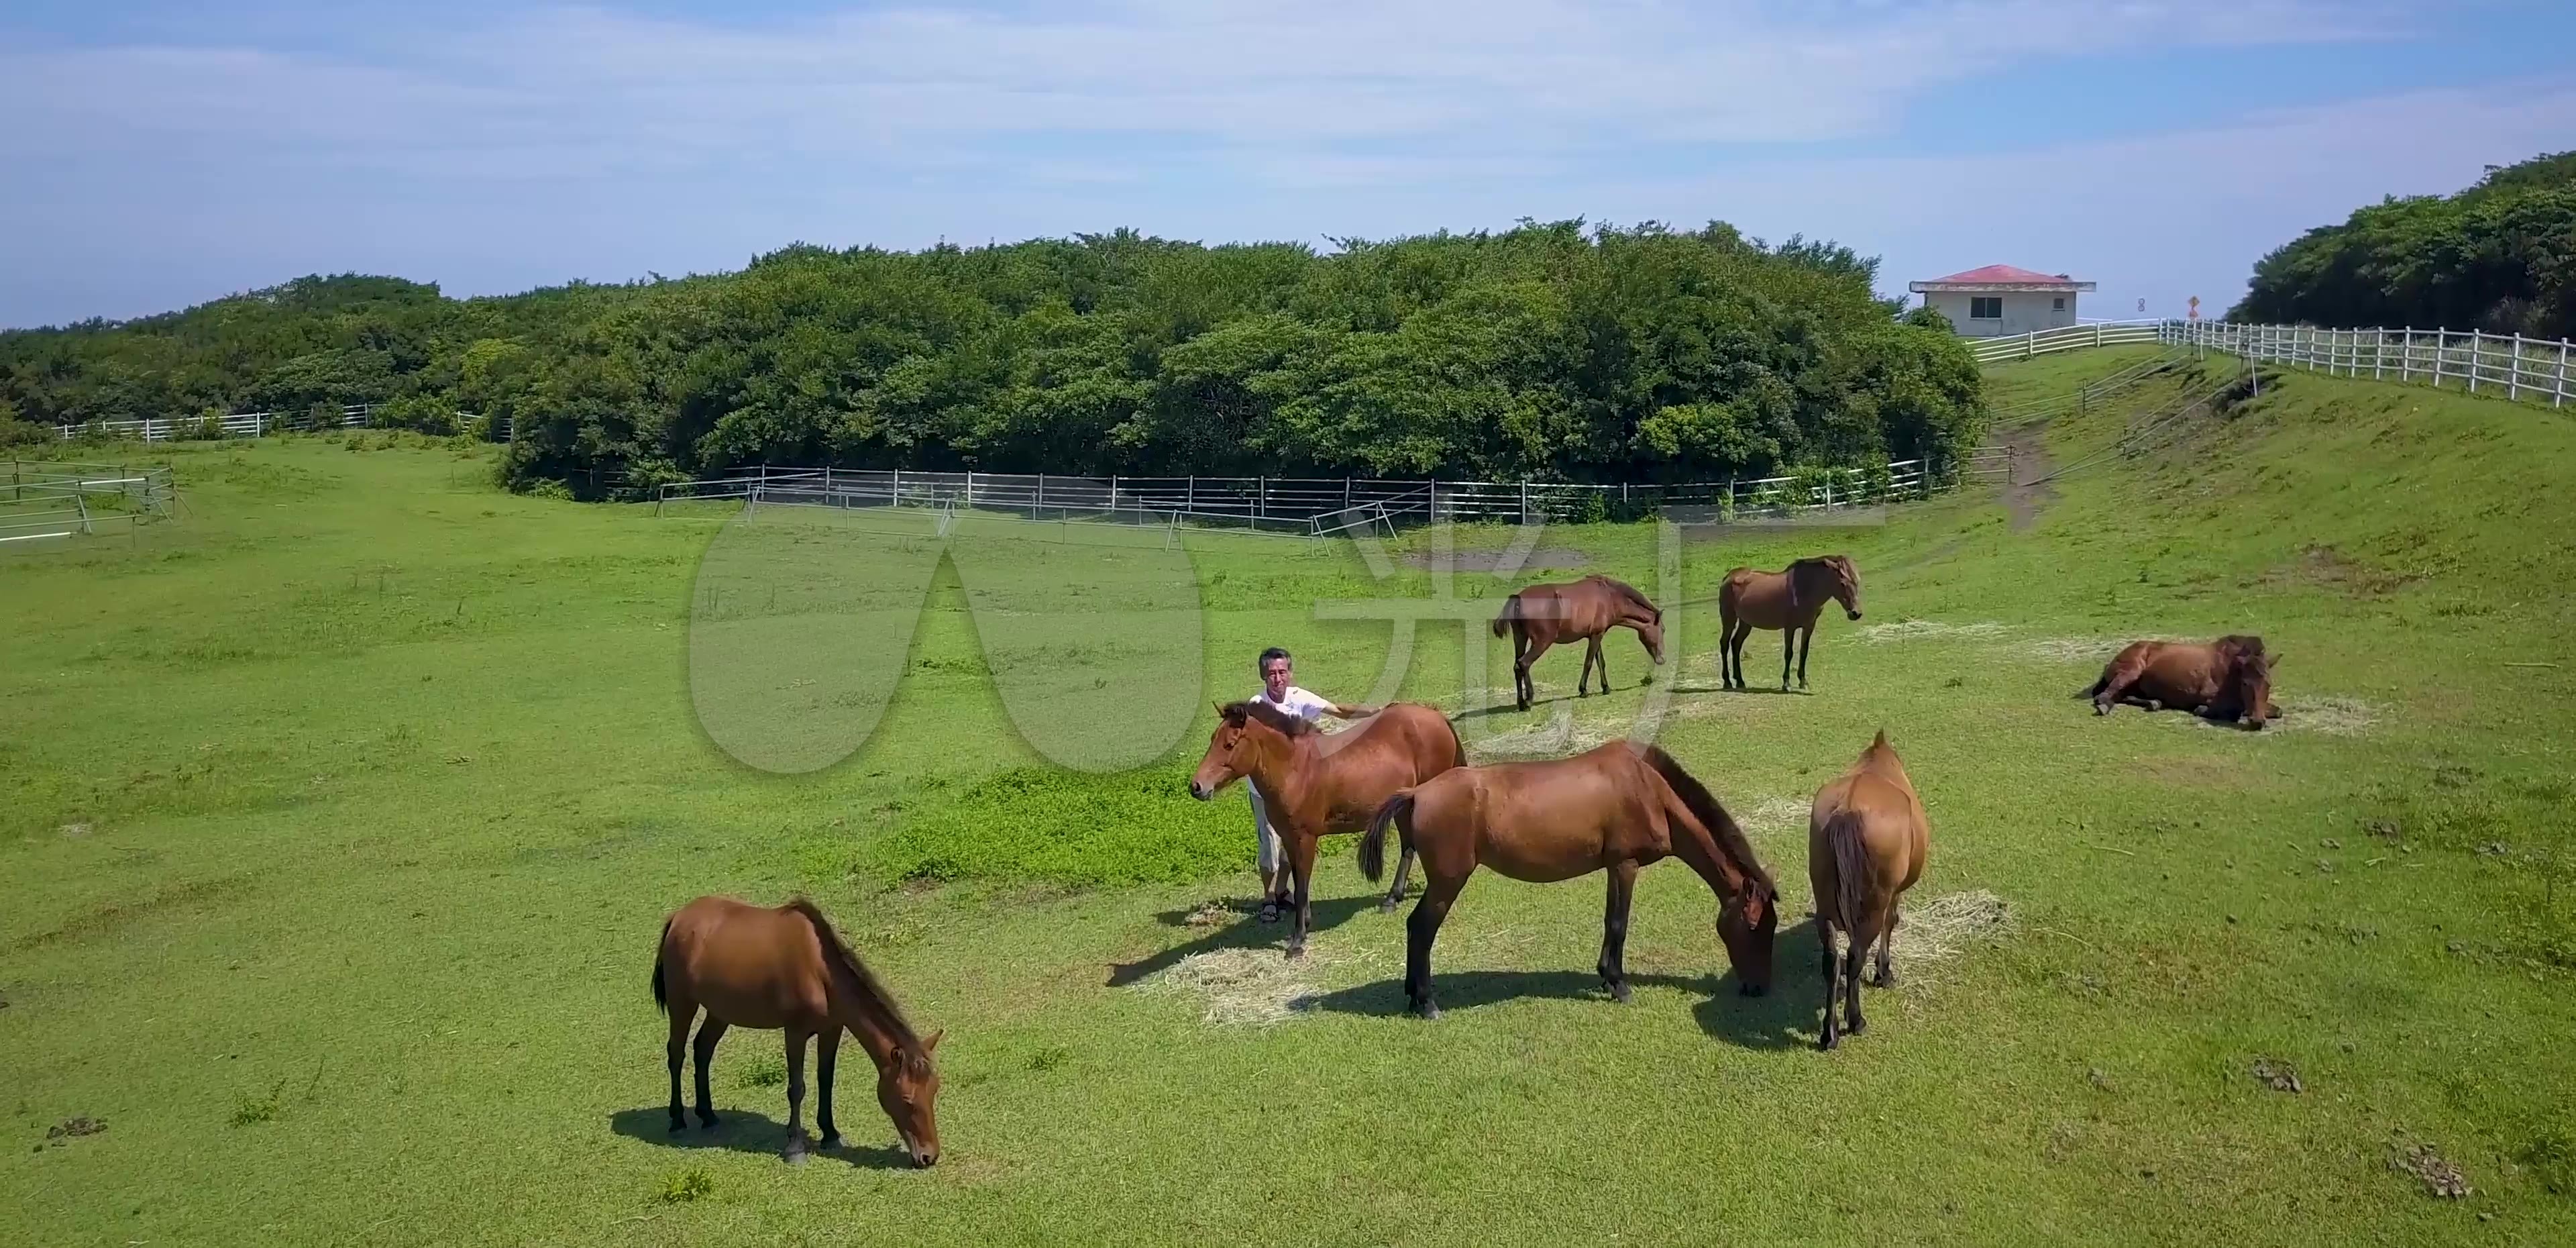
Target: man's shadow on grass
<point>748,1131</point>
<point>1786,1017</point>
<point>1245,930</point>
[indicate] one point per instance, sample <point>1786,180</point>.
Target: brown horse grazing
<point>2224,680</point>
<point>1616,807</point>
<point>1543,615</point>
<point>1316,784</point>
<point>786,969</point>
<point>1789,600</point>
<point>1867,840</point>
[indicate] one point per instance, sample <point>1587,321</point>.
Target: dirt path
<point>2029,462</point>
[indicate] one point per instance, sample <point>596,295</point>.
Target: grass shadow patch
<point>744,1131</point>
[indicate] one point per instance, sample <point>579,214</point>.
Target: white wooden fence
<point>2508,366</point>
<point>245,424</point>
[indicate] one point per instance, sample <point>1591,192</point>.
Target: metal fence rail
<point>243,425</point>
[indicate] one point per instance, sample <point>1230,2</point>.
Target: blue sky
<point>167,153</point>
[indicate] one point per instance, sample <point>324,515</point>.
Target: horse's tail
<point>1398,806</point>
<point>1511,612</point>
<point>661,994</point>
<point>1704,806</point>
<point>1851,866</point>
<point>2094,689</point>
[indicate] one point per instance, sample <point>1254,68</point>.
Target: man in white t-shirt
<point>1279,690</point>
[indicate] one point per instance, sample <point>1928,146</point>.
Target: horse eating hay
<point>1867,841</point>
<point>784,968</point>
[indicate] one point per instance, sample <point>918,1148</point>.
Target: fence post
<point>1260,499</point>
<point>1190,495</point>
<point>2513,369</point>
<point>2473,360</point>
<point>1525,502</point>
<point>2559,395</point>
<point>2406,354</point>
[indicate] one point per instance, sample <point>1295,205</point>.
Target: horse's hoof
<point>1295,952</point>
<point>830,1142</point>
<point>707,1122</point>
<point>1827,1043</point>
<point>679,1125</point>
<point>795,1157</point>
<point>1858,1025</point>
<point>1620,993</point>
<point>1387,906</point>
<point>1748,990</point>
<point>1427,1012</point>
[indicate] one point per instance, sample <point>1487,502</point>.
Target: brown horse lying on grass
<point>1789,600</point>
<point>1316,784</point>
<point>784,968</point>
<point>2224,680</point>
<point>1616,807</point>
<point>1543,615</point>
<point>1867,840</point>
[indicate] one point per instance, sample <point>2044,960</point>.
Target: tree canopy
<point>1548,351</point>
<point>2498,256</point>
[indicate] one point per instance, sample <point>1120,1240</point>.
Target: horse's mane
<point>873,997</point>
<point>2241,646</point>
<point>1630,592</point>
<point>1270,716</point>
<point>1723,829</point>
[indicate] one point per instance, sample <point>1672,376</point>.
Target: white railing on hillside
<point>242,425</point>
<point>2505,365</point>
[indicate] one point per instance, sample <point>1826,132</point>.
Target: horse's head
<point>1651,632</point>
<point>1846,584</point>
<point>2252,675</point>
<point>907,1088</point>
<point>1234,748</point>
<point>1746,923</point>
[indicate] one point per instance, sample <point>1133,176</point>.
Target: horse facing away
<point>1617,807</point>
<point>1867,841</point>
<point>1789,600</point>
<point>1316,784</point>
<point>2225,680</point>
<point>1542,615</point>
<point>784,968</point>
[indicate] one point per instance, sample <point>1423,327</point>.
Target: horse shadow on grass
<point>1247,931</point>
<point>748,1131</point>
<point>1785,1017</point>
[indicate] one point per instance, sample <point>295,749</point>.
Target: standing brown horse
<point>1316,784</point>
<point>2224,680</point>
<point>1617,807</point>
<point>1789,600</point>
<point>784,968</point>
<point>1867,841</point>
<point>1543,615</point>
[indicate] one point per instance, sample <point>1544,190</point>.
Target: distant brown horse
<point>1542,615</point>
<point>1867,841</point>
<point>1617,807</point>
<point>1789,600</point>
<point>2225,680</point>
<point>784,968</point>
<point>1316,784</point>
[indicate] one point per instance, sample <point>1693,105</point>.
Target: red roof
<point>2004,275</point>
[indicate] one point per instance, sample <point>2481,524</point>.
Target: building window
<point>2058,304</point>
<point>1985,307</point>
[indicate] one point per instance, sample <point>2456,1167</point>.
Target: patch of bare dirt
<point>2329,568</point>
<point>2029,461</point>
<point>2278,1076</point>
<point>2438,1175</point>
<point>1543,559</point>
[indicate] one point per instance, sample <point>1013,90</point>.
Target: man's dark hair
<point>1261,666</point>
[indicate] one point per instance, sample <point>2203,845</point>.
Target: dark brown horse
<point>1617,808</point>
<point>784,968</point>
<point>1867,841</point>
<point>1316,784</point>
<point>1543,615</point>
<point>2225,680</point>
<point>1789,600</point>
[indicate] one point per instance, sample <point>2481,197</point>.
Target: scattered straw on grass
<point>1775,815</point>
<point>1257,987</point>
<point>1929,630</point>
<point>1938,929</point>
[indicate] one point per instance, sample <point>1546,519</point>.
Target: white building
<point>1999,299</point>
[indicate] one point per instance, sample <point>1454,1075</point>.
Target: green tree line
<point>1548,351</point>
<point>2498,256</point>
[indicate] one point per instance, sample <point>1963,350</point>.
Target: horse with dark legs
<point>783,968</point>
<point>1618,808</point>
<point>1317,784</point>
<point>1867,841</point>
<point>1540,616</point>
<point>1788,600</point>
<point>2225,680</point>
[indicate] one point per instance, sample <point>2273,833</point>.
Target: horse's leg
<point>795,1095</point>
<point>1862,935</point>
<point>1403,873</point>
<point>1886,977</point>
<point>2115,687</point>
<point>708,1033</point>
<point>1831,1035</point>
<point>1725,642</point>
<point>1614,929</point>
<point>1788,651</point>
<point>1420,929</point>
<point>1521,669</point>
<point>1601,661</point>
<point>1805,636</point>
<point>827,1051</point>
<point>1591,655</point>
<point>1743,634</point>
<point>682,1014</point>
<point>1301,859</point>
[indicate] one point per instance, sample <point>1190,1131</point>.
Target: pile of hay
<point>1937,929</point>
<point>1926,630</point>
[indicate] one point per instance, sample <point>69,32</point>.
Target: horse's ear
<point>931,1041</point>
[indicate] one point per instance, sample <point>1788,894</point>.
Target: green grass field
<point>343,814</point>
